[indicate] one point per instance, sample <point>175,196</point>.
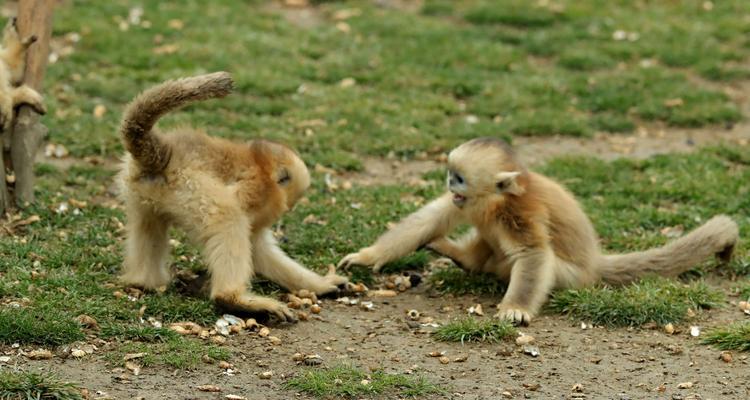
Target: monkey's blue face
<point>458,186</point>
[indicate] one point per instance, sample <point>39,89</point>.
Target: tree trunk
<point>34,17</point>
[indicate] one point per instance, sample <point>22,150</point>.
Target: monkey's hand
<point>251,303</point>
<point>368,256</point>
<point>332,283</point>
<point>516,315</point>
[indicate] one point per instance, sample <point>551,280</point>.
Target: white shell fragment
<point>695,331</point>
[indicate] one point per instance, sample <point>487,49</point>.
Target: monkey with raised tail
<point>530,232</point>
<point>225,195</point>
<point>12,64</point>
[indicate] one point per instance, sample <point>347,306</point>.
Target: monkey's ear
<point>506,182</point>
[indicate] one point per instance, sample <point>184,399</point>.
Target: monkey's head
<point>481,170</point>
<point>285,170</point>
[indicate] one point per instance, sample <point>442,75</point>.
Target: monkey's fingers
<point>514,315</point>
<point>348,261</point>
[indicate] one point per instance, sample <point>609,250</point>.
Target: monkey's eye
<point>284,178</point>
<point>502,185</point>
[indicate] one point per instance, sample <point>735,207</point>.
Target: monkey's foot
<point>250,303</point>
<point>516,315</point>
<point>725,255</point>
<point>366,257</point>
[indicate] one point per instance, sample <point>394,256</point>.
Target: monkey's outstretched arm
<point>429,222</point>
<point>271,262</point>
<point>532,277</point>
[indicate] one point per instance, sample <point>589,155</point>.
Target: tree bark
<point>34,17</point>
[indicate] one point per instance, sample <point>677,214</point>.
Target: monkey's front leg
<point>426,224</point>
<point>227,252</point>
<point>271,262</point>
<point>531,279</point>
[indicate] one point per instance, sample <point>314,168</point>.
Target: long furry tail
<point>143,112</point>
<point>717,237</point>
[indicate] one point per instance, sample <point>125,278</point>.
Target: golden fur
<point>12,63</point>
<point>530,232</point>
<point>225,195</point>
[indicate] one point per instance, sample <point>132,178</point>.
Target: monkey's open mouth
<point>458,199</point>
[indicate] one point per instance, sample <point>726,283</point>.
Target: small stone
<point>577,388</point>
<point>532,386</point>
<point>524,340</point>
<point>313,360</point>
<point>444,360</point>
<point>726,356</point>
<point>266,375</point>
<point>507,394</point>
<point>531,350</point>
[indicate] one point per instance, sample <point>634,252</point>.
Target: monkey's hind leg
<point>532,277</point>
<point>470,252</point>
<point>26,95</point>
<point>228,255</point>
<point>146,249</point>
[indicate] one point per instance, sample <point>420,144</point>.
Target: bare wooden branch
<point>34,17</point>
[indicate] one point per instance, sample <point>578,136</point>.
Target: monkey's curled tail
<point>717,237</point>
<point>143,112</point>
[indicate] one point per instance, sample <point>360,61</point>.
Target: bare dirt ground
<point>608,364</point>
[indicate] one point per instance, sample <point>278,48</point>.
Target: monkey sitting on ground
<point>530,232</point>
<point>12,64</point>
<point>225,195</point>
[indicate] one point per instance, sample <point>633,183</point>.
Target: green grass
<point>475,330</point>
<point>744,291</point>
<point>418,75</point>
<point>176,352</point>
<point>459,282</point>
<point>347,381</point>
<point>34,386</point>
<point>147,334</point>
<point>38,326</point>
<point>650,300</point>
<point>732,337</point>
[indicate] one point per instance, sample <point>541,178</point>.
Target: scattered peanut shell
<point>359,288</point>
<point>224,365</point>
<point>413,315</point>
<point>669,328</point>
<point>305,294</point>
<point>476,310</point>
<point>382,293</point>
<point>315,309</point>
<point>251,323</point>
<point>264,331</point>
<point>436,353</point>
<point>313,359</point>
<point>298,357</point>
<point>77,353</point>
<point>275,341</point>
<point>87,322</point>
<point>133,367</point>
<point>685,385</point>
<point>444,360</point>
<point>265,375</point>
<point>725,356</point>
<point>461,358</point>
<point>133,356</point>
<point>218,339</point>
<point>524,340</point>
<point>302,316</point>
<point>40,354</point>
<point>209,388</point>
